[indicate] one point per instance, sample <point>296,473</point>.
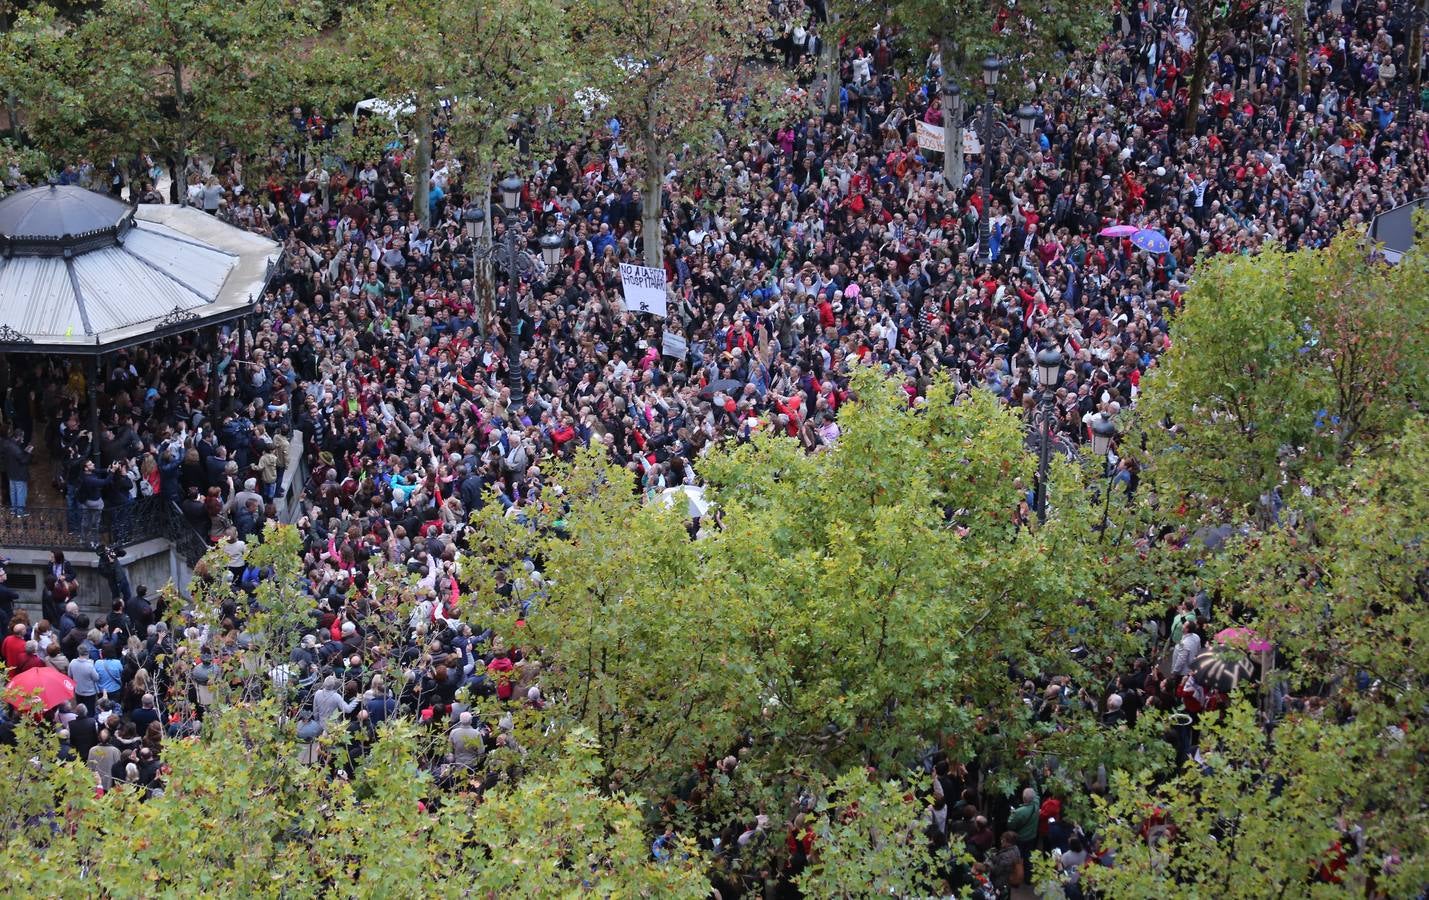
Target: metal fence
<point>59,528</point>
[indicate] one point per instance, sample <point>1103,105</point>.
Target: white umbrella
<point>696,506</point>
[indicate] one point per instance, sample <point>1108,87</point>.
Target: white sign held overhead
<point>930,137</point>
<point>644,289</point>
<point>675,345</point>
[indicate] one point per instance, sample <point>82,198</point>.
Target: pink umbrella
<point>1118,231</point>
<point>1244,638</point>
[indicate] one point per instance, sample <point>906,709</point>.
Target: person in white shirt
<point>1184,656</point>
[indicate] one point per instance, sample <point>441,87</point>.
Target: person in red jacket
<point>561,435</point>
<point>500,670</point>
<point>792,408</point>
<point>1050,810</point>
<point>13,648</point>
<point>29,660</point>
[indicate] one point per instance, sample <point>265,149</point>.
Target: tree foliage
<point>676,73</point>
<point>871,842</point>
<point>1293,360</point>
<point>1336,579</point>
<point>241,814</point>
<point>170,77</point>
<point>851,608</point>
<point>1032,40</point>
<point>494,63</point>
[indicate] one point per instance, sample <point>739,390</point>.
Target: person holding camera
<point>90,496</point>
<point>119,497</point>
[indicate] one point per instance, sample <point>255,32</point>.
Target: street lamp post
<point>952,118</point>
<point>1049,370</point>
<point>511,196</point>
<point>1103,435</point>
<point>473,218</point>
<point>512,254</point>
<point>991,69</point>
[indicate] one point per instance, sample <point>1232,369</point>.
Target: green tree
<point>852,608</point>
<point>870,842</point>
<point>171,77</point>
<point>495,62</point>
<point>675,72</point>
<point>1031,41</point>
<point>1339,588</point>
<point>242,814</point>
<point>1294,360</point>
<point>37,48</point>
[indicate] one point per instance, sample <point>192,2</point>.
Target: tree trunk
<point>484,278</point>
<point>1416,49</point>
<point>174,192</point>
<point>1198,78</point>
<point>650,204</point>
<point>953,170</point>
<point>179,188</point>
<point>1296,11</point>
<point>422,165</point>
<point>829,62</point>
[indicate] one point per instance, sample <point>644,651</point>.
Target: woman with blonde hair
<point>140,685</point>
<point>452,512</point>
<point>149,485</point>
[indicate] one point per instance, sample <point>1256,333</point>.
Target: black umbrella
<point>1222,668</point>
<point>724,385</point>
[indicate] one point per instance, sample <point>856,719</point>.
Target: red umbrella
<point>39,689</point>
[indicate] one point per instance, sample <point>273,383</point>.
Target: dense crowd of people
<point>830,243</point>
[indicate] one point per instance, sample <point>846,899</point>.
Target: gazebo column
<point>4,373</point>
<point>214,389</point>
<point>96,367</point>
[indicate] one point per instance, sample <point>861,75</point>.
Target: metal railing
<point>60,528</point>
<point>77,528</point>
<point>187,541</point>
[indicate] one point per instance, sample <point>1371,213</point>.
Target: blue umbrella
<point>1151,240</point>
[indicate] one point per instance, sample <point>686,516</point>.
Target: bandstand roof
<point>85,273</point>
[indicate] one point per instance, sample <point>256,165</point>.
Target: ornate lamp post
<point>511,253</point>
<point>991,70</point>
<point>1049,371</point>
<point>1103,435</point>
